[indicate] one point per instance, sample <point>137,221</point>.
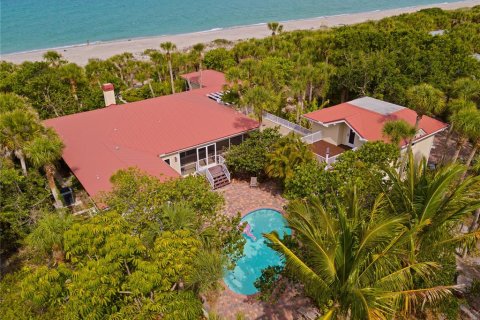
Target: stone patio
<point>240,197</point>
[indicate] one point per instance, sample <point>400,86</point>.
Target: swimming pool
<point>257,255</point>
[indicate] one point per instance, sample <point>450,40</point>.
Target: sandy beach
<point>81,53</point>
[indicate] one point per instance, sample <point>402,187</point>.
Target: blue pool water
<point>36,24</point>
<point>257,255</point>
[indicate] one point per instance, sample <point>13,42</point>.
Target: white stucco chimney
<point>108,94</point>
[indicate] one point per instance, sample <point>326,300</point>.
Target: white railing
<point>285,123</point>
<point>225,170</point>
<point>330,160</point>
<point>209,178</point>
<point>312,138</point>
<point>220,159</point>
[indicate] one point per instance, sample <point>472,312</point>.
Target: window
<point>236,140</point>
<point>223,146</point>
<point>188,156</point>
<point>167,161</point>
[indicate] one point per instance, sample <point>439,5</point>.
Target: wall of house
<point>422,148</point>
<point>330,134</point>
<point>174,164</point>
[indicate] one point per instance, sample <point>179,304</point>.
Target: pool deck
<point>240,197</point>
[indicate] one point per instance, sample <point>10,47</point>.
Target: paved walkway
<point>240,197</point>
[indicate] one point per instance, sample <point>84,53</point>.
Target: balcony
<point>328,152</point>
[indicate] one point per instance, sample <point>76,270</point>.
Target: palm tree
<point>453,107</point>
<point>261,99</point>
<point>179,216</point>
<point>464,124</point>
<point>144,74</point>
<point>169,47</point>
<point>474,135</point>
<point>17,129</point>
<point>158,60</point>
<point>209,266</point>
<point>323,73</point>
<point>198,50</point>
<point>434,203</point>
<point>297,89</point>
<point>424,100</point>
<point>466,89</point>
<point>11,101</point>
<point>398,130</point>
<point>350,258</point>
<point>288,153</point>
<point>53,58</point>
<point>121,63</point>
<point>43,151</point>
<point>276,28</point>
<point>73,74</point>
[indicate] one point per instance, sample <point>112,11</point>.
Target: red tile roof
<point>100,142</point>
<point>211,80</point>
<point>368,123</point>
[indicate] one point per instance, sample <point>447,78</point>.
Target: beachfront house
<point>349,125</point>
<point>168,136</point>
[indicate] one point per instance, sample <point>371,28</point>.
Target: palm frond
<point>300,268</point>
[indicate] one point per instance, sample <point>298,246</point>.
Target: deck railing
<point>220,159</point>
<point>313,137</point>
<point>285,123</point>
<point>330,160</point>
<point>209,178</point>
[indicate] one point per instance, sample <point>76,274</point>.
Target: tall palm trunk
<point>50,173</point>
<point>472,154</point>
<point>446,143</point>
<point>474,224</point>
<point>20,156</point>
<point>151,88</point>
<point>73,87</point>
<point>310,92</point>
<point>403,161</point>
<point>171,74</point>
<point>460,145</point>
<point>470,158</point>
<point>417,124</point>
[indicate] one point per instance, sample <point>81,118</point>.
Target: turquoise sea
<point>37,24</point>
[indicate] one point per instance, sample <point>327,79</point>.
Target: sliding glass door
<point>206,155</point>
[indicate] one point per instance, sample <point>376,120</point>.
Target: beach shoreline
<point>80,53</point>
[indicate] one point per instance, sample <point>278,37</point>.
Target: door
<point>206,155</point>
<point>351,138</point>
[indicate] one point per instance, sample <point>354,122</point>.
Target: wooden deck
<point>320,148</point>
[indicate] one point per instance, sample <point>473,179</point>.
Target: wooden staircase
<point>221,176</point>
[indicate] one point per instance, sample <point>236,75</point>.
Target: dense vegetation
<point>155,252</point>
<point>364,246</point>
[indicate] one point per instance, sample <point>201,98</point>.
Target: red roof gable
<point>369,124</point>
<point>100,142</point>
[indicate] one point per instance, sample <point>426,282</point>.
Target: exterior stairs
<point>220,176</point>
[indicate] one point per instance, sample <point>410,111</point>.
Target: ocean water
<point>37,24</point>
